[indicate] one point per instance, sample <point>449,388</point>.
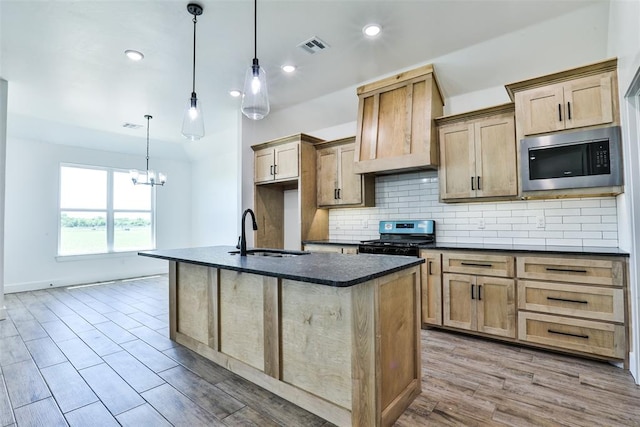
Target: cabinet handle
<point>565,270</point>
<point>551,331</point>
<point>472,184</point>
<point>429,268</point>
<point>569,110</point>
<point>472,293</point>
<point>478,180</point>
<point>479,292</point>
<point>335,194</point>
<point>275,169</point>
<point>271,170</point>
<point>559,112</point>
<point>567,300</point>
<point>338,193</point>
<point>473,264</point>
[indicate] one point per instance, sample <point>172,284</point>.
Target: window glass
<point>82,188</point>
<point>101,211</point>
<point>127,196</point>
<point>132,230</point>
<point>83,232</point>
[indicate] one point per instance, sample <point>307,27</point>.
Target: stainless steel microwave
<point>588,158</point>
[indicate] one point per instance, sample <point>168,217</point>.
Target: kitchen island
<point>338,335</point>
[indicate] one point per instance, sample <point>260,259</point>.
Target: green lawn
<point>80,240</point>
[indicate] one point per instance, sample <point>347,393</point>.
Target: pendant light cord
<point>148,117</point>
<point>195,21</point>
<point>255,29</point>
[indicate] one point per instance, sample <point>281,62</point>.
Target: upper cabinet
<point>478,155</point>
<point>580,97</point>
<point>395,123</point>
<point>338,185</point>
<point>277,161</point>
<point>281,166</point>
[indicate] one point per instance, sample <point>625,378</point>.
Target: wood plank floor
<point>99,356</point>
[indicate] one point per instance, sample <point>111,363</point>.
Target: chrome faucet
<point>243,236</point>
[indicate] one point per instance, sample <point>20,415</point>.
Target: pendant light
<point>255,100</point>
<point>147,177</point>
<point>193,122</point>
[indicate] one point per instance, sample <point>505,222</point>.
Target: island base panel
<point>350,355</point>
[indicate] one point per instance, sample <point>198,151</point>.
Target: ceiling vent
<point>313,45</point>
<point>131,126</point>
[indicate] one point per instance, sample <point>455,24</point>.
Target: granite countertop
<point>329,269</point>
<point>539,249</point>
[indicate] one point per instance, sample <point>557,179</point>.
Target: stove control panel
<point>423,226</point>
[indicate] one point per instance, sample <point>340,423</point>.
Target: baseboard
<point>39,285</point>
<point>634,366</point>
<point>3,313</point>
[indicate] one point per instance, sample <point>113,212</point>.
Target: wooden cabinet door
<point>459,307</point>
<point>349,183</point>
<point>588,101</point>
<point>431,288</point>
<point>541,109</point>
<point>495,145</point>
<point>457,161</point>
<point>327,176</point>
<point>264,165</point>
<point>496,306</point>
<point>286,161</point>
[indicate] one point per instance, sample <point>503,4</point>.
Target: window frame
<point>109,211</point>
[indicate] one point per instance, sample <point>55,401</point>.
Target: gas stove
<point>401,238</point>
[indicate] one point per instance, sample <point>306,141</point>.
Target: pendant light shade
<point>255,98</point>
<point>193,122</point>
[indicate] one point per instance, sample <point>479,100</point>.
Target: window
<point>101,211</point>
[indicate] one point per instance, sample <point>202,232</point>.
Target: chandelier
<point>147,177</point>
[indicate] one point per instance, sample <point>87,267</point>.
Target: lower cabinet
<point>569,303</point>
<point>573,303</point>
<point>431,287</point>
<point>480,303</point>
<point>597,338</point>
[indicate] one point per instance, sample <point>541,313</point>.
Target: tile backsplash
<point>565,222</point>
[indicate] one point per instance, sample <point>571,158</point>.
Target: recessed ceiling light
<point>133,55</point>
<point>235,93</point>
<point>371,30</point>
<point>288,68</point>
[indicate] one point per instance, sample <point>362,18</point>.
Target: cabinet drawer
<point>578,270</point>
<point>572,300</point>
<point>604,339</point>
<point>485,265</point>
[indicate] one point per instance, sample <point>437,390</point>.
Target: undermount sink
<point>275,253</point>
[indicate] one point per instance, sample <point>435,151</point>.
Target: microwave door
<point>558,162</point>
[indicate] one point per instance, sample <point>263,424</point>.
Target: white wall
<point>216,186</point>
<point>32,193</point>
<point>624,42</point>
<point>3,153</point>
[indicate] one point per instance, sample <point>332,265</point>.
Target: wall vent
<point>131,125</point>
<point>313,45</point>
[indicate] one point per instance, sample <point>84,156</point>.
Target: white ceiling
<point>66,67</point>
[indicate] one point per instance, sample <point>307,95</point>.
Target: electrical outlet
<point>540,222</point>
<point>365,223</point>
<point>481,223</point>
